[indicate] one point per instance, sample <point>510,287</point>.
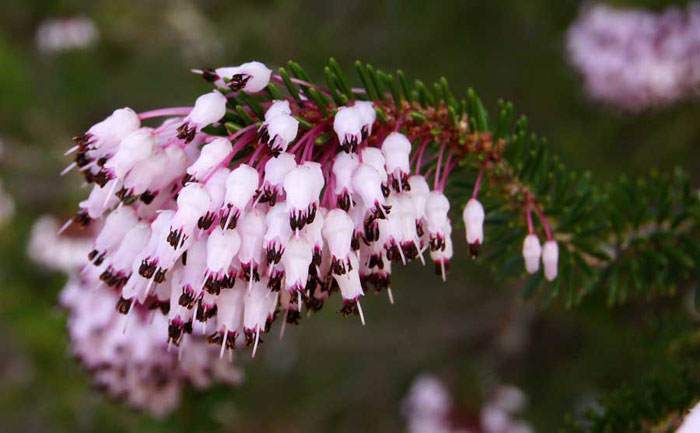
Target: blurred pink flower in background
<point>634,59</point>
<point>63,34</point>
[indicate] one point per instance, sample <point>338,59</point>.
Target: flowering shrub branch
<point>272,192</point>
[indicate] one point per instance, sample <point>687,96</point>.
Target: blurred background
<point>330,375</point>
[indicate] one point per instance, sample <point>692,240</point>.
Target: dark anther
<point>124,305</point>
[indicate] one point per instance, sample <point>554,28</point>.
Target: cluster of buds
<point>225,233</point>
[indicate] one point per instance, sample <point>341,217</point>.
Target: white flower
<point>241,186</point>
<point>278,107</point>
<point>296,259</point>
<point>338,230</point>
<point>397,149</point>
<point>279,131</point>
<point>136,147</point>
<point>193,202</point>
<point>473,216</point>
<point>532,251</point>
<point>208,108</point>
<point>367,184</point>
<point>344,166</point>
<point>222,247</point>
<point>550,259</point>
<point>436,209</point>
<point>251,77</point>
<point>213,154</point>
<point>347,125</point>
<point>365,110</point>
<point>274,173</point>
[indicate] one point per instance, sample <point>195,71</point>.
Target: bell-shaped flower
<point>279,131</point>
<point>101,199</point>
<point>251,77</point>
<point>212,156</point>
<point>143,181</point>
<point>193,202</point>
<point>473,216</point>
<point>436,209</point>
<point>397,149</point>
<point>351,288</point>
<point>442,257</point>
<point>532,252</point>
<point>274,173</point>
<point>278,107</point>
<point>229,316</point>
<point>187,279</point>
<point>344,165</point>
<point>277,234</point>
<point>365,110</point>
<point>338,231</point>
<point>252,230</point>
<point>419,196</point>
<point>241,185</point>
<point>367,185</point>
<point>257,303</point>
<point>302,186</point>
<point>297,257</point>
<point>347,125</point>
<point>550,259</point>
<point>208,108</point>
<point>119,263</point>
<point>107,134</point>
<point>116,226</point>
<point>222,246</point>
<point>216,188</point>
<point>136,147</point>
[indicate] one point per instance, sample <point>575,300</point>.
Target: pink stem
<point>436,178</point>
<point>313,132</point>
<point>528,216</point>
<point>165,112</point>
<point>421,151</point>
<point>477,184</point>
<point>544,221</point>
<point>449,165</point>
<point>256,153</point>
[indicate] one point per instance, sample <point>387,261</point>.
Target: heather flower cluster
<point>223,229</point>
<point>635,59</point>
<point>127,355</point>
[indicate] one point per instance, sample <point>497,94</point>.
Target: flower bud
<point>532,251</point>
<point>550,259</point>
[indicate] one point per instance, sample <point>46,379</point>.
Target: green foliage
<point>629,237</point>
